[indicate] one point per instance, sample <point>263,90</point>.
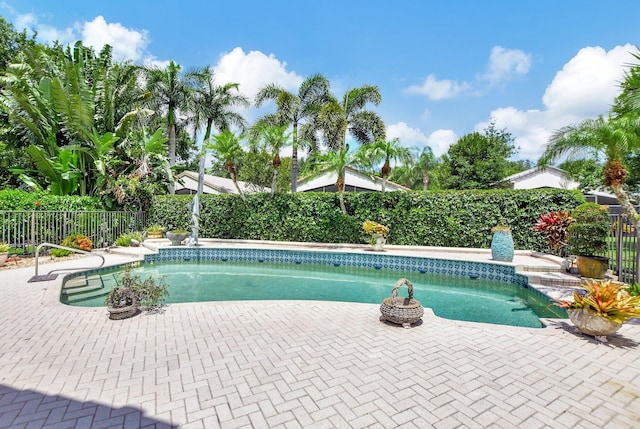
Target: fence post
<point>619,247</point>
<point>33,229</point>
<point>636,271</point>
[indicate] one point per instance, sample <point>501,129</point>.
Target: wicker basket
<point>403,311</point>
<point>123,312</point>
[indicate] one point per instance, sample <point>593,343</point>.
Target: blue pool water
<point>453,297</point>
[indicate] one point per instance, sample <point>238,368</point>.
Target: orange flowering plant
<point>77,241</point>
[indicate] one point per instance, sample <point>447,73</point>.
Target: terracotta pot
<point>594,267</point>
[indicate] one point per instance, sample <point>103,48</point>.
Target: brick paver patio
<point>299,365</point>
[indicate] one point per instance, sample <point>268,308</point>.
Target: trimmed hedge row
<point>15,199</point>
<point>441,218</point>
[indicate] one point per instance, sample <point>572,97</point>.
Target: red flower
<point>38,203</point>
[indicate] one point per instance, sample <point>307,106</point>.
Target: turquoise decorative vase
<point>502,246</point>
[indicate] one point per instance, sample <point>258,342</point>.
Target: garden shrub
<point>76,241</point>
<point>432,218</point>
<point>15,199</point>
<point>125,239</point>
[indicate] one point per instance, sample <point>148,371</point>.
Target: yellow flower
<point>371,227</point>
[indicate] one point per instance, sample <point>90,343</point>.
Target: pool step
<point>553,279</point>
<point>87,287</point>
<point>97,293</point>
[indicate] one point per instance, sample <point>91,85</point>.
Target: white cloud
<point>254,70</point>
<point>584,88</point>
<point>439,140</point>
<point>127,44</point>
<point>436,89</point>
<point>503,63</point>
<point>25,21</point>
<point>589,82</point>
<point>46,33</point>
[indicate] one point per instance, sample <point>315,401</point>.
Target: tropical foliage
<point>554,226</point>
<point>607,299</point>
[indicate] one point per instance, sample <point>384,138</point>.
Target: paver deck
<point>285,364</point>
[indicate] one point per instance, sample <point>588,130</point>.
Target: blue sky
<point>443,68</point>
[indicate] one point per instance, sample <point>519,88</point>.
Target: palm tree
<point>426,162</point>
<point>226,147</point>
<point>387,151</point>
<point>214,105</point>
<point>613,138</point>
<point>274,139</point>
<point>337,161</point>
<point>170,90</point>
<point>336,118</point>
<point>295,110</point>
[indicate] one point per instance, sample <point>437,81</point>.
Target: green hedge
<point>443,218</point>
<point>14,199</point>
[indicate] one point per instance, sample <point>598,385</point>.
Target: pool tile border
<point>502,273</point>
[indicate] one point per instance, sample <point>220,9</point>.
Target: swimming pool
<point>460,290</point>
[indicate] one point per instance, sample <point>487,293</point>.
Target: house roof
<point>545,177</point>
<point>187,183</point>
<point>357,181</point>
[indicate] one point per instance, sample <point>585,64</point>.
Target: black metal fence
<point>622,249</point>
<point>27,229</point>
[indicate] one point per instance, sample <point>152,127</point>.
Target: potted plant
<point>177,236</point>
<point>121,303</point>
<point>502,248</point>
<point>4,253</point>
<point>554,226</point>
<point>131,292</point>
<point>603,309</point>
<point>377,234</point>
<point>588,238</point>
<point>155,231</point>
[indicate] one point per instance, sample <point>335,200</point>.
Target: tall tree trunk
<point>340,187</point>
<point>294,159</point>
<point>235,182</point>
<point>172,154</point>
<point>425,181</point>
<point>274,182</point>
<point>626,204</point>
<point>341,198</point>
<point>386,170</point>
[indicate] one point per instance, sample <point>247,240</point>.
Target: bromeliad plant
<point>607,299</point>
<point>555,228</point>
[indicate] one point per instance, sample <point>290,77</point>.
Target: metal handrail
<point>37,278</point>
